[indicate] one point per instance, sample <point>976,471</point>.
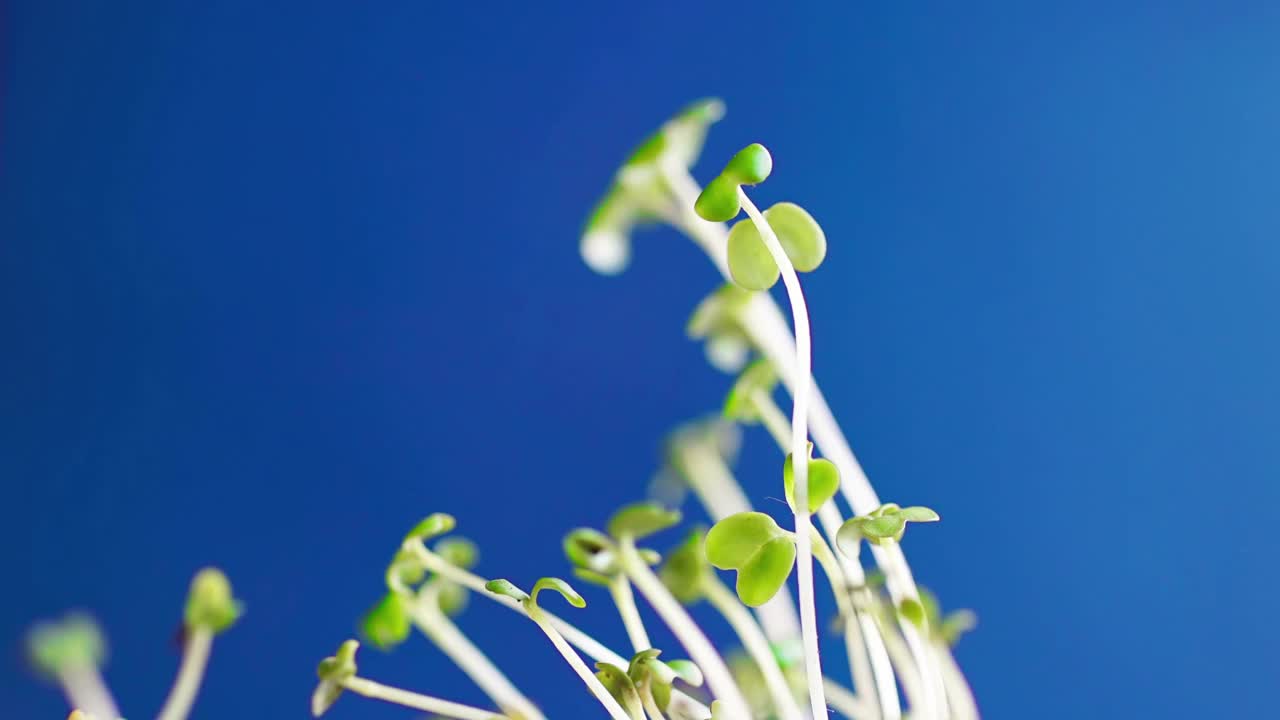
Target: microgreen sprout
<point>722,200</point>
<point>886,523</point>
<point>718,321</point>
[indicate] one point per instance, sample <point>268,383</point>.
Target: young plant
<point>893,632</point>
<point>72,651</point>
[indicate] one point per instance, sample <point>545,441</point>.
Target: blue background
<point>277,281</point>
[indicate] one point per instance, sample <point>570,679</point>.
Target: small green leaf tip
<point>210,604</point>
<point>333,672</point>
<point>642,519</point>
<point>687,569</point>
<point>913,612</point>
<point>64,645</point>
<point>386,624</point>
<point>458,551</point>
<point>560,586</point>
<point>592,551</point>
<point>759,377</point>
<point>505,588</point>
<point>886,523</point>
<point>719,200</point>
<point>824,481</point>
<point>761,552</point>
<point>433,525</point>
<point>750,263</point>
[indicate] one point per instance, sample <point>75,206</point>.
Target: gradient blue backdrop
<point>279,280</point>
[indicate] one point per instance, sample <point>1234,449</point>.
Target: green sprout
<point>894,634</point>
<point>640,193</point>
<point>886,523</point>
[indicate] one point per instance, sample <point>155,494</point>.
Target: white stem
<point>85,690</point>
<point>845,702</point>
<point>963,705</point>
<point>908,671</point>
<point>195,656</point>
<point>620,589</point>
<point>757,646</point>
<point>691,637</point>
<point>800,455</point>
<point>650,705</point>
<point>593,683</point>
<point>433,623</point>
<point>721,495</point>
<point>425,703</point>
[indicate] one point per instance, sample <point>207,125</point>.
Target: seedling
<point>893,633</point>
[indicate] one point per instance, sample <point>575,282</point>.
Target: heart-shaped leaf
<point>766,572</point>
<point>686,569</point>
<point>801,237</point>
<point>754,545</point>
<point>719,200</point>
<point>732,541</point>
<point>823,483</point>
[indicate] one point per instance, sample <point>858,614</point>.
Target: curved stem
<point>431,620</point>
<point>593,683</point>
<point>195,656</point>
<point>757,646</point>
<point>691,637</point>
<point>425,703</point>
<point>620,589</point>
<point>800,453</point>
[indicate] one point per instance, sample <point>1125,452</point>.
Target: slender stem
<point>592,682</point>
<point>958,690</point>
<point>85,690</point>
<point>433,623</point>
<point>721,495</point>
<point>845,702</point>
<point>757,646</point>
<point>700,649</point>
<point>425,703</point>
<point>195,656</point>
<point>772,418</point>
<point>650,705</point>
<point>620,589</point>
<point>800,453</point>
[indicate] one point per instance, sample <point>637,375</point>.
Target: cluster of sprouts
<point>897,642</point>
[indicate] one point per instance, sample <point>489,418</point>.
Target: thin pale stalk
<point>799,451</point>
<point>431,620</point>
<point>963,704</point>
<point>85,690</point>
<point>620,589</point>
<point>195,657</point>
<point>650,705</point>
<point>691,637</point>
<point>417,701</point>
<point>757,646</point>
<point>592,682</point>
<point>845,702</point>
